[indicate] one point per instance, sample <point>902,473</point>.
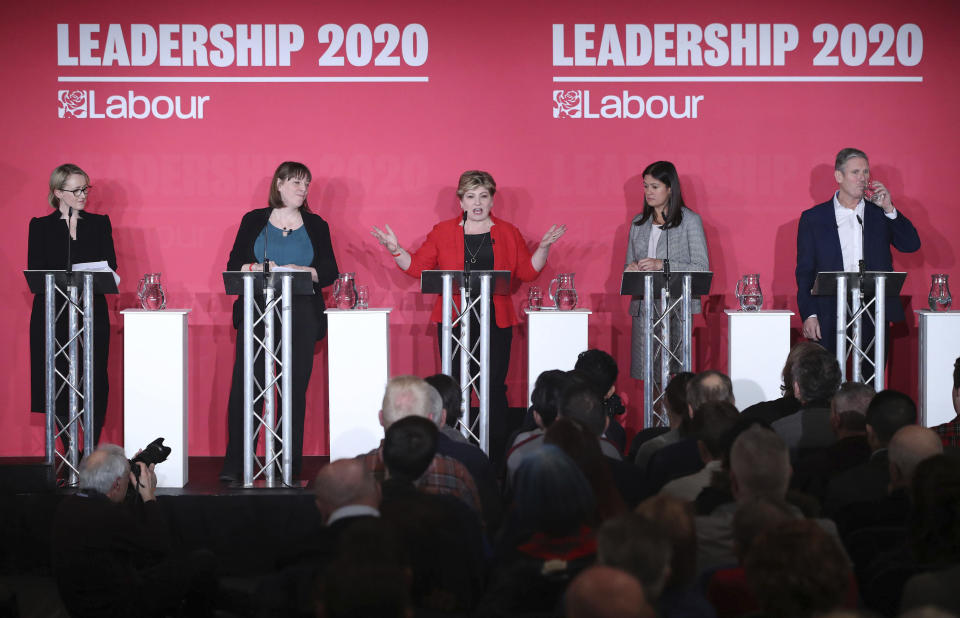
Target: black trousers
<point>501,340</point>
<point>305,329</point>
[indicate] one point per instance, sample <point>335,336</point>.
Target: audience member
<point>848,410</point>
<point>796,570</point>
<point>114,557</point>
<point>727,588</point>
<point>544,406</point>
<point>470,455</point>
<point>442,536</point>
<point>546,539</point>
<point>345,493</point>
<point>675,405</point>
<point>713,422</point>
<point>583,448</point>
<point>639,546</point>
<point>452,398</point>
<point>816,377</point>
<point>581,403</point>
<point>949,432</point>
<point>771,411</point>
<point>370,577</point>
<point>759,468</point>
<point>683,457</point>
<point>888,411</point>
<point>410,396</point>
<point>601,370</point>
<point>931,543</point>
<point>682,595</point>
<point>578,401</point>
<point>605,592</point>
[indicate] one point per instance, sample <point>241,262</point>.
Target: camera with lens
<point>155,453</point>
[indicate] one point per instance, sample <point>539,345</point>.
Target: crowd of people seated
<point>831,500</point>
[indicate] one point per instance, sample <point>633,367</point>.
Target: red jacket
<point>443,250</point>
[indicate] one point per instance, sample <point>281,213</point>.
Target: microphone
<point>862,253</point>
<point>666,260</point>
<point>69,256</point>
<point>862,262</point>
<point>466,262</point>
<point>266,236</point>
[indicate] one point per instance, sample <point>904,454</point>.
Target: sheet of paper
<point>97,267</point>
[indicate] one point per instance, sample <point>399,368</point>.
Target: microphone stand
<point>69,241</point>
<point>862,261</point>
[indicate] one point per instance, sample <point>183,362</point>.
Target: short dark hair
<point>845,155</point>
<point>581,403</point>
<point>713,423</point>
<point>802,348</point>
<point>850,405</point>
<point>450,393</point>
<point>600,368</point>
<point>817,374</point>
<point>890,410</point>
<point>409,446</point>
<point>546,395</point>
<point>956,374</point>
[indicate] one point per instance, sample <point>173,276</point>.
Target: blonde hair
<point>58,177</point>
<point>471,179</point>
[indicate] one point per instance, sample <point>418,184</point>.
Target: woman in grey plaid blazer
<point>665,222</point>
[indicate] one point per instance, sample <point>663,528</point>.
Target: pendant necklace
<point>473,254</point>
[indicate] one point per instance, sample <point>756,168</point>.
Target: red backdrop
<point>479,92</point>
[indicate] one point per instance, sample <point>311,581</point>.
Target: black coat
<point>324,262</point>
<point>47,250</point>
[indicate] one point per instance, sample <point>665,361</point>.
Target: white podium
<point>939,346</point>
<point>155,388</point>
<point>358,357</point>
<point>554,340</point>
<point>758,343</point>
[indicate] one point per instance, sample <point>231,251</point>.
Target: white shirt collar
<point>842,212</point>
<point>352,510</point>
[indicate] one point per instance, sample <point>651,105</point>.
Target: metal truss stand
<point>856,293</point>
<point>675,291</point>
<point>277,290</point>
<point>472,382</point>
<point>72,288</point>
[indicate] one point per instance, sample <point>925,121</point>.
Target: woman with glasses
<point>90,239</point>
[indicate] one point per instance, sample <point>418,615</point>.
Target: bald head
<point>345,482</point>
<point>908,447</point>
<point>606,592</point>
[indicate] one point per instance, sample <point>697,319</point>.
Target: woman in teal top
<point>287,234</point>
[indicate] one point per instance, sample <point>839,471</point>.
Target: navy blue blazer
<point>818,250</point>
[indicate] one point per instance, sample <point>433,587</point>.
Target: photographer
<point>113,559</point>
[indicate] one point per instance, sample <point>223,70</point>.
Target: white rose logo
<point>567,104</point>
<point>73,104</point>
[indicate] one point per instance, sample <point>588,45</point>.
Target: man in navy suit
<point>859,222</point>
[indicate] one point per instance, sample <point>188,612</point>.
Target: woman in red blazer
<point>484,242</point>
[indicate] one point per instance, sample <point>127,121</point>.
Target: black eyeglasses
<point>79,191</point>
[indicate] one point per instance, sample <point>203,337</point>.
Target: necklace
<point>473,254</point>
<point>285,229</point>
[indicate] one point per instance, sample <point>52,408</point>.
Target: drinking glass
<point>535,298</point>
<point>363,297</point>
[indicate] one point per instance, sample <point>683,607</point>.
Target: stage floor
<point>25,475</point>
